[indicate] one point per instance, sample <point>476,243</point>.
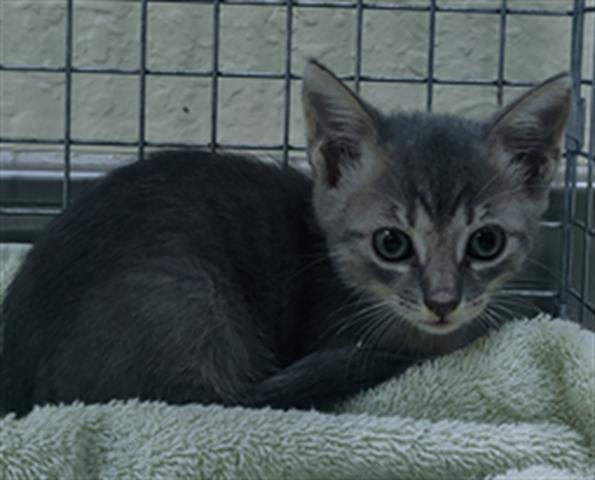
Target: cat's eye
<point>392,244</point>
<point>486,243</point>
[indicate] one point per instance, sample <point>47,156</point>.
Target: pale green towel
<point>519,404</point>
<point>11,255</point>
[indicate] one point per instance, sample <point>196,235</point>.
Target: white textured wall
<point>252,38</point>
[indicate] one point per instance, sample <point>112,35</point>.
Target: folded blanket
<point>518,404</point>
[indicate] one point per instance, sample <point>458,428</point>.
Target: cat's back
<point>171,188</point>
<point>177,206</point>
<point>182,193</point>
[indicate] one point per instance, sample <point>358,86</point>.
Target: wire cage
<point>560,276</point>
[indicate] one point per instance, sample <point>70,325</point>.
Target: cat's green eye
<point>392,244</point>
<point>486,243</point>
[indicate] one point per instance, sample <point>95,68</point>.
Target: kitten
<point>194,277</point>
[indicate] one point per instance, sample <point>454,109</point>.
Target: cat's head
<point>430,214</point>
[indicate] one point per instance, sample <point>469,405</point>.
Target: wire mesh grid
<point>572,290</point>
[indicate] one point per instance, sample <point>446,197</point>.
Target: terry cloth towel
<point>518,404</point>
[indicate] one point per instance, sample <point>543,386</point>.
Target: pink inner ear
<point>335,153</point>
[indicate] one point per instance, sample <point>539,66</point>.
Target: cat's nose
<point>442,303</point>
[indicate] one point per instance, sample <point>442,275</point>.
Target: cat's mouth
<point>439,326</point>
<point>426,320</point>
<point>442,324</point>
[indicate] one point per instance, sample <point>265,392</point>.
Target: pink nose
<point>442,303</point>
<point>442,309</point>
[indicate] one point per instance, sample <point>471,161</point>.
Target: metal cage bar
<point>573,144</point>
<point>265,75</point>
<point>587,282</point>
<point>142,78</point>
<point>431,46</point>
<point>66,185</point>
<point>287,80</point>
<point>215,74</point>
<point>395,5</point>
<point>359,28</point>
<point>573,228</point>
<point>501,52</point>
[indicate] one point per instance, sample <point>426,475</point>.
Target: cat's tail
<point>326,376</point>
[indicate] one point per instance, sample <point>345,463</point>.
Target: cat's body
<point>184,270</point>
<point>193,277</point>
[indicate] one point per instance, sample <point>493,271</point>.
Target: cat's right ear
<point>524,137</point>
<point>338,124</point>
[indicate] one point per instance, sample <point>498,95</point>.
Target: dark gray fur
<point>194,277</point>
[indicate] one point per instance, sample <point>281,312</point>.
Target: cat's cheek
<point>492,278</point>
<point>470,310</point>
<point>500,281</point>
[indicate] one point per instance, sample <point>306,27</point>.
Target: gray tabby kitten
<point>429,214</point>
<point>194,277</point>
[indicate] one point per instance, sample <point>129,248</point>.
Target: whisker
<point>544,267</point>
<point>487,184</point>
<point>510,191</point>
<point>359,317</point>
<point>371,342</point>
<point>361,344</point>
<point>306,267</point>
<point>511,296</point>
<point>493,319</point>
<point>522,304</point>
<point>395,183</point>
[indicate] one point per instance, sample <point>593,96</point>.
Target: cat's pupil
<point>486,243</point>
<point>392,244</point>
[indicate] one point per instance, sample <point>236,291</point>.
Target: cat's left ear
<point>338,125</point>
<point>524,137</point>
